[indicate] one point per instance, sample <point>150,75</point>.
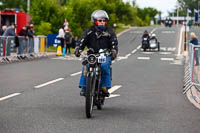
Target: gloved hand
<point>113,54</point>
<point>77,52</point>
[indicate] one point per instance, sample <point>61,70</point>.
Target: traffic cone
<point>63,53</point>
<point>59,51</point>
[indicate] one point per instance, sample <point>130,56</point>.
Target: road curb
<point>194,96</point>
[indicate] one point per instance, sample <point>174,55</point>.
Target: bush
<point>43,29</point>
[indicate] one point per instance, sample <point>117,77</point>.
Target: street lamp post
<point>28,6</point>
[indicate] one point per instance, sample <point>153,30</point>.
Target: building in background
<point>14,16</point>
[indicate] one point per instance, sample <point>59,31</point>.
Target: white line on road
<point>74,74</point>
<point>167,59</point>
<point>114,88</point>
<point>113,95</point>
<point>139,47</point>
<point>143,58</point>
<point>9,96</point>
<point>153,31</point>
<point>128,55</point>
<point>148,52</point>
<point>134,51</point>
<point>180,41</point>
<point>47,83</point>
<point>165,53</point>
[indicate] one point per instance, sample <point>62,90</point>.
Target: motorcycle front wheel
<point>89,98</point>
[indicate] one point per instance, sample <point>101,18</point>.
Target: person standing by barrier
<point>194,41</point>
<point>23,40</point>
<point>31,39</point>
<point>2,30</point>
<point>10,31</point>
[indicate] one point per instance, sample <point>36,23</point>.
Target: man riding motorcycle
<point>97,37</point>
<point>145,40</point>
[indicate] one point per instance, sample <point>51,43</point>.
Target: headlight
<point>92,59</point>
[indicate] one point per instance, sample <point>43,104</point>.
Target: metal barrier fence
<point>192,68</point>
<point>21,47</point>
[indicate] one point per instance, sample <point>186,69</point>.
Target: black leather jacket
<point>97,39</point>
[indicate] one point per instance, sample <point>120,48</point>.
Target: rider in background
<point>153,36</point>
<point>146,34</point>
<point>97,37</point>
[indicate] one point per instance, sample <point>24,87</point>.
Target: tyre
<point>89,98</point>
<point>100,103</point>
<point>158,46</point>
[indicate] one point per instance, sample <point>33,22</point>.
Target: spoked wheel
<point>89,98</point>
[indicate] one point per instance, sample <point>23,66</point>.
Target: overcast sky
<point>161,5</point>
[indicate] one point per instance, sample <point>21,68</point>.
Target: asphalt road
<point>42,96</point>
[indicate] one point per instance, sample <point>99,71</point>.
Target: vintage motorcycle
<point>94,95</point>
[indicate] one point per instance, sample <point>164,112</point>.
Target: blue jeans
<point>105,77</point>
<point>197,57</point>
<point>31,45</point>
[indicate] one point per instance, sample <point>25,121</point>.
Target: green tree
<point>20,4</point>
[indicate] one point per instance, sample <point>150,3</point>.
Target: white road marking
<point>121,58</point>
<point>9,96</point>
<point>165,53</point>
<point>143,58</point>
<point>167,59</point>
<point>77,73</point>
<point>114,88</point>
<point>148,52</point>
<point>180,41</point>
<point>139,47</point>
<point>128,55</point>
<point>113,95</point>
<point>168,32</point>
<point>177,62</point>
<point>47,83</point>
<point>163,48</point>
<point>171,49</point>
<point>134,51</point>
<point>153,30</point>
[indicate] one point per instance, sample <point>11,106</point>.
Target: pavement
<point>19,58</point>
<point>193,95</point>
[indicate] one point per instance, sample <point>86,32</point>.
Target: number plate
<point>102,59</point>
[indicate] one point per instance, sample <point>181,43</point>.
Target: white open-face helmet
<point>153,35</point>
<point>99,14</point>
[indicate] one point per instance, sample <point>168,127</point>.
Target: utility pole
<point>28,6</point>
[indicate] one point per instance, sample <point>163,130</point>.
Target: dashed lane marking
<point>148,52</point>
<point>134,51</point>
<point>74,74</point>
<point>143,58</point>
<point>9,96</point>
<point>167,59</point>
<point>47,83</point>
<point>165,53</point>
<point>128,55</point>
